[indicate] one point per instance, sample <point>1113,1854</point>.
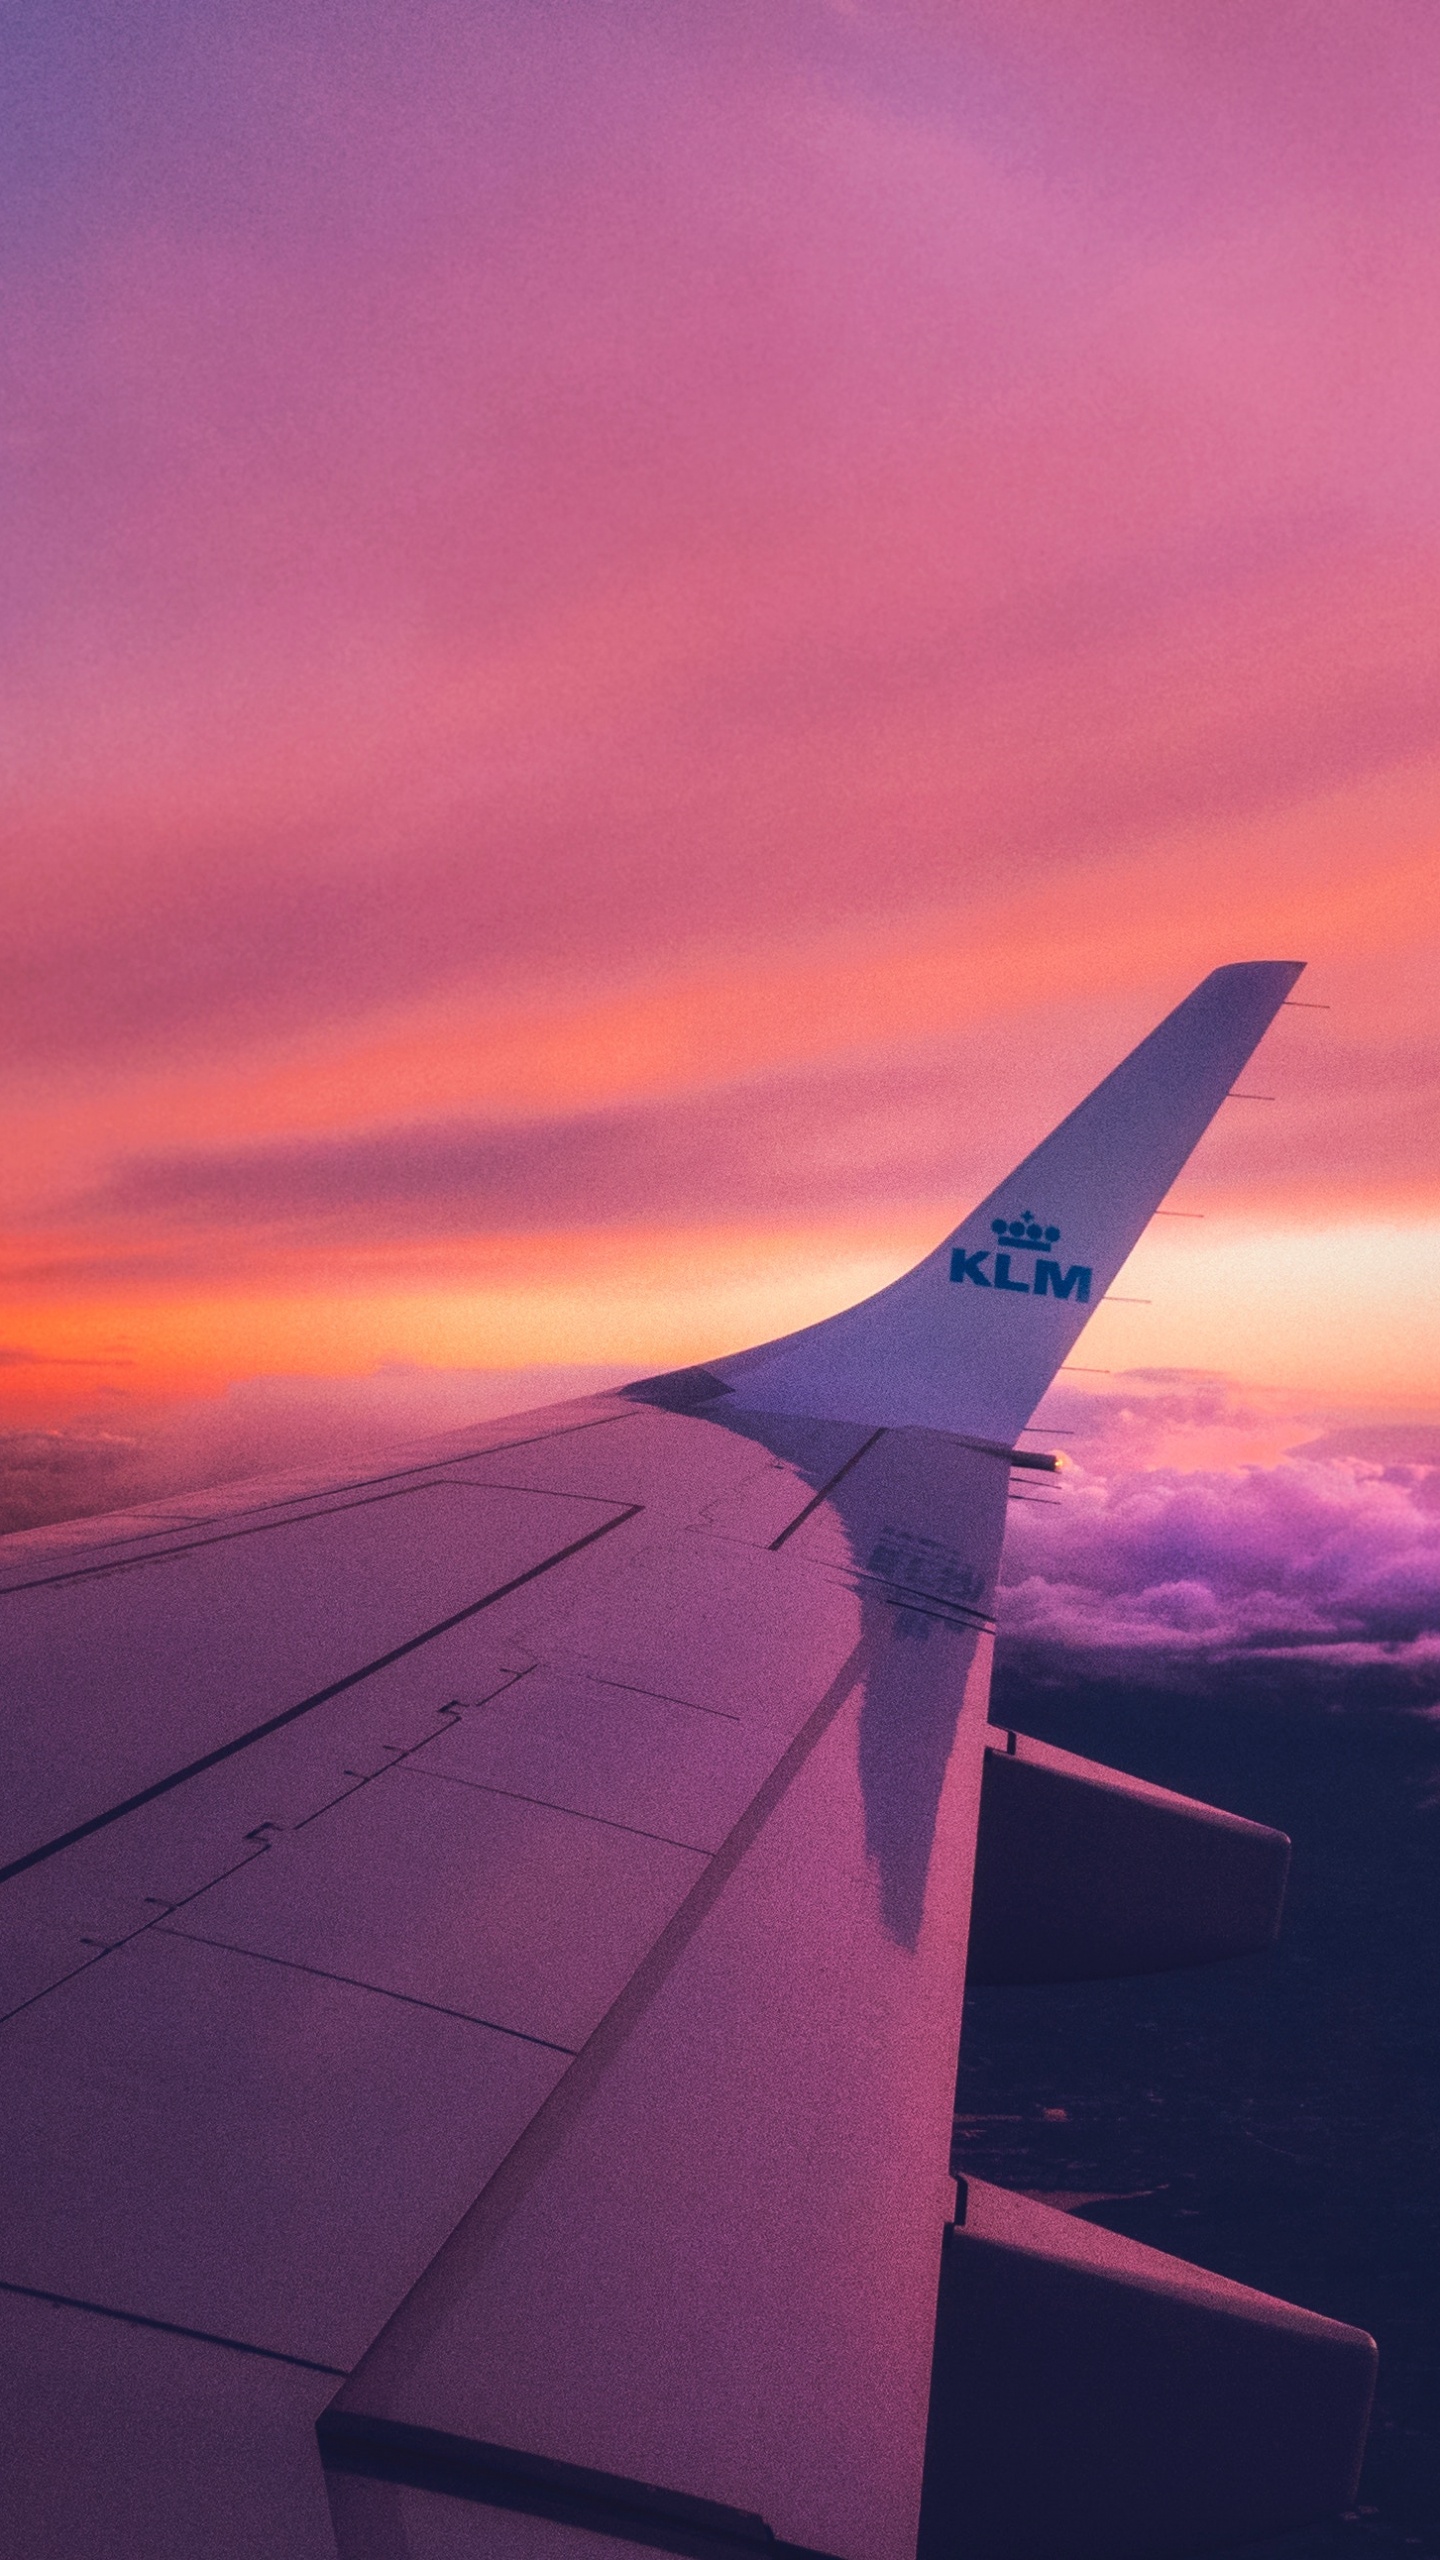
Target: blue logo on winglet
<point>1026,1232</point>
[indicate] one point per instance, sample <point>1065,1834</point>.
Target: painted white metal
<point>116,1679</point>
<point>976,1353</point>
<point>123,2442</point>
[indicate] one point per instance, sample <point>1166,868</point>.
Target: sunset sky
<point>642,634</point>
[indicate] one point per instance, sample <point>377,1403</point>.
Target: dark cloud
<point>792,1145</point>
<point>12,1356</point>
<point>66,1475</point>
<point>261,1426</point>
<point>1413,1444</point>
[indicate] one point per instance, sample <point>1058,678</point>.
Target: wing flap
<point>710,2264</point>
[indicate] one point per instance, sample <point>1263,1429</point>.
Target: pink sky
<point>640,638</point>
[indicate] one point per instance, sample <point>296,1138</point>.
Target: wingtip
<point>943,1347</point>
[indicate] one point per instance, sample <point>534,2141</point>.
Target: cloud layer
<point>1317,1566</point>
<point>1319,1572</point>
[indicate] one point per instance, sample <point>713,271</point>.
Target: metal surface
<point>129,2443</point>
<point>116,1681</point>
<point>1082,1871</point>
<point>246,2148</point>
<point>514,1913</point>
<point>601,1747</point>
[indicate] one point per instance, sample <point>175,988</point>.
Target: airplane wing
<point>483,1949</point>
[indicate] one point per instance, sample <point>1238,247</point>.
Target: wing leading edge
<point>666,1838</point>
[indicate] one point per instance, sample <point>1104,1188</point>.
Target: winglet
<point>970,1339</point>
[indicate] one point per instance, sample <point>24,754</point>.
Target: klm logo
<point>1047,1281</point>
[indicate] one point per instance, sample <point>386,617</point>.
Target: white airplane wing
<point>483,1953</point>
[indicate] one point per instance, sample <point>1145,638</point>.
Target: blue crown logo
<point>1026,1229</point>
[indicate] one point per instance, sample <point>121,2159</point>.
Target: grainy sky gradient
<point>640,638</point>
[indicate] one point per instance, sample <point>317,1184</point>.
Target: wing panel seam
<point>496,2475</point>
<point>827,1488</point>
<point>288,1715</point>
<point>352,1982</point>
<point>356,1484</point>
<point>550,1804</point>
<point>168,2328</point>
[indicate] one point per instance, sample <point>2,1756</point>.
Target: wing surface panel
<point>250,2149</point>
<point>652,1764</point>
<point>514,1913</point>
<point>65,1912</point>
<point>122,2440</point>
<point>117,1681</point>
<point>716,1625</point>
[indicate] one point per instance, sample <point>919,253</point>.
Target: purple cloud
<point>1328,1563</point>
